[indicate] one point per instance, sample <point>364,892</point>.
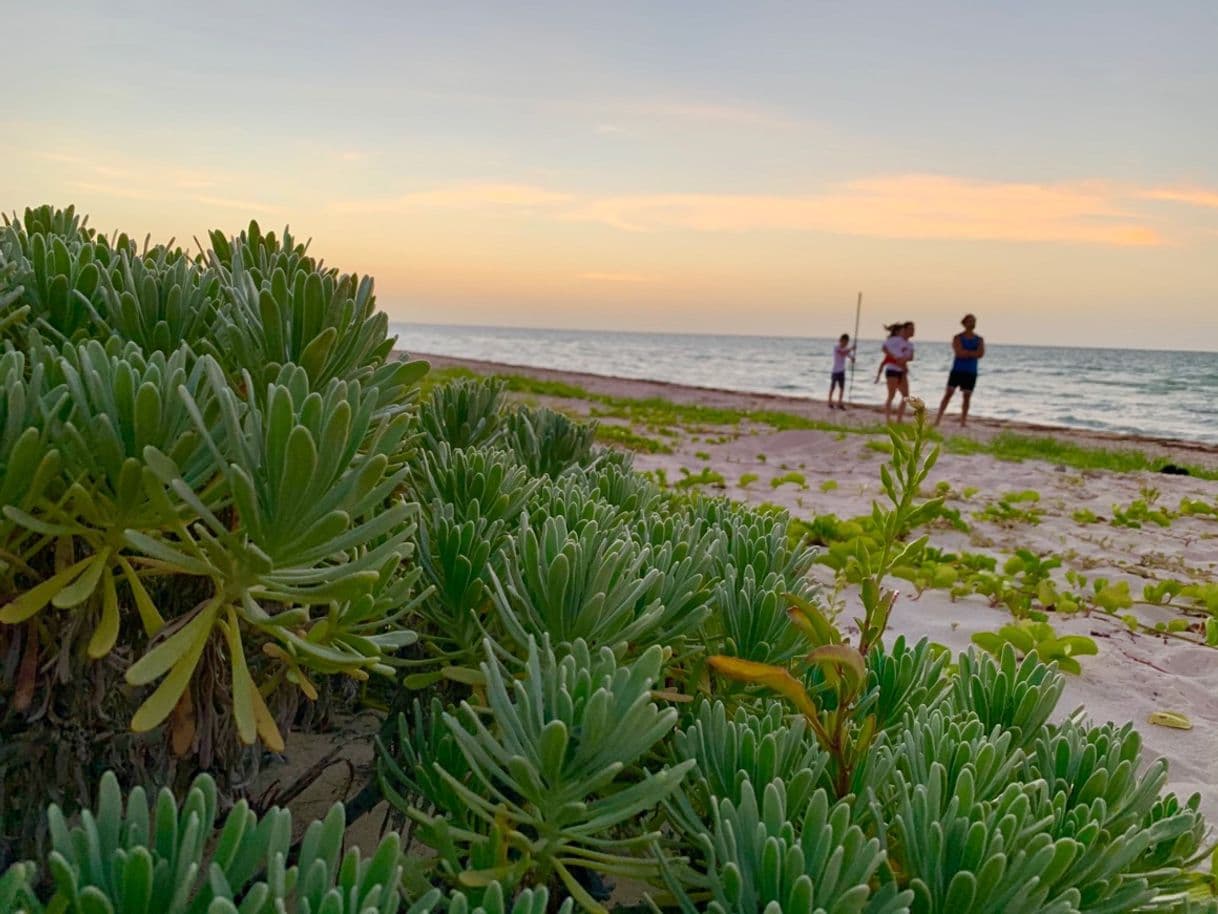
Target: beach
<point>835,470</point>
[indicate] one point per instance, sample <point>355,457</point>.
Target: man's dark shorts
<point>965,380</point>
<point>838,376</point>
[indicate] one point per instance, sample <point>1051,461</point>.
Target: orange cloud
<point>914,206</point>
<point>244,205</point>
<point>615,277</point>
<point>908,206</point>
<point>1191,196</point>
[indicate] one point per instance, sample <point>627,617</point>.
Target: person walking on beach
<point>842,351</point>
<point>968,348</point>
<point>898,353</point>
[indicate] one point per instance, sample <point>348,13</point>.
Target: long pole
<point>858,313</point>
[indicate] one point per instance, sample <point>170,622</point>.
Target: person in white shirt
<point>842,351</point>
<point>898,353</point>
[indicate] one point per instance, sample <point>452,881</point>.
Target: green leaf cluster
<point>204,485</point>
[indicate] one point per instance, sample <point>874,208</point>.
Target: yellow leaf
<point>36,598</point>
<point>843,658</point>
<point>294,673</point>
<point>82,588</point>
<point>106,632</point>
<point>167,654</point>
<point>668,695</point>
<point>149,616</point>
<point>267,729</point>
<point>773,677</point>
<point>809,619</point>
<point>243,683</point>
<point>161,702</point>
<point>1173,719</point>
<point>253,716</point>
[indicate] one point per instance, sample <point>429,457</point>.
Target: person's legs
<point>947,398</point>
<point>894,381</point>
<point>904,387</point>
<point>965,396</point>
<point>835,383</point>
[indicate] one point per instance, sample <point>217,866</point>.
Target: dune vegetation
<point>229,512</point>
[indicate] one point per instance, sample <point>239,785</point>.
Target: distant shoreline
<point>863,336</point>
<point>815,408</point>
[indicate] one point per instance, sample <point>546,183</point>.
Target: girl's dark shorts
<point>838,376</point>
<point>965,380</point>
<point>894,372</point>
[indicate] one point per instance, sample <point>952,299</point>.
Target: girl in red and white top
<point>898,353</point>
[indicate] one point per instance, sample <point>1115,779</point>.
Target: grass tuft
<point>1015,447</point>
<point>622,436</point>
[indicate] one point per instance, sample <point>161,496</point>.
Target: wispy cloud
<point>153,181</point>
<point>475,195</point>
<point>99,168</point>
<point>252,206</point>
<point>114,190</point>
<point>710,112</point>
<point>915,206</point>
<point>195,180</point>
<point>907,206</point>
<point>1193,196</point>
<point>616,277</point>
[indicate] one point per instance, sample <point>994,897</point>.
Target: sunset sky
<point>710,166</point>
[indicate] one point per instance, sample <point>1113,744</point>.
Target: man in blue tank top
<point>968,348</point>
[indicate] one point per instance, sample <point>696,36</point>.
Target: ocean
<point>1128,391</point>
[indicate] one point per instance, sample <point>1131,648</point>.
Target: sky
<point>684,166</point>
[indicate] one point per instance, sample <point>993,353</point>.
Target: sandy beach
<point>1134,674</point>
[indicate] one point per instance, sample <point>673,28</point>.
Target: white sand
<point>1133,675</point>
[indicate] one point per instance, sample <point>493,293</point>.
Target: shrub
<point>546,768</point>
<point>547,442</point>
<point>170,859</point>
<point>204,487</point>
<point>462,413</point>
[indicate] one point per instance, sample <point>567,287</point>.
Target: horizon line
<point>770,336</point>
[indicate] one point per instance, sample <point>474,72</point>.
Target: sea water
<point>1129,391</point>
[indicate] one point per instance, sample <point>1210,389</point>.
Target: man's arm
<point>962,353</point>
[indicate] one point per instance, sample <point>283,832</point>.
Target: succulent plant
<point>901,677</point>
<point>749,619</point>
<point>746,748</point>
<point>775,857</point>
<point>679,548</point>
<point>209,469</point>
<point>547,442</point>
<point>1005,692</point>
<point>128,858</point>
<point>621,486</point>
<point>548,763</point>
<point>1135,845</point>
<point>283,308</point>
<point>462,414</point>
<point>570,586</point>
<point>320,521</point>
<point>58,273</point>
<point>160,303</point>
